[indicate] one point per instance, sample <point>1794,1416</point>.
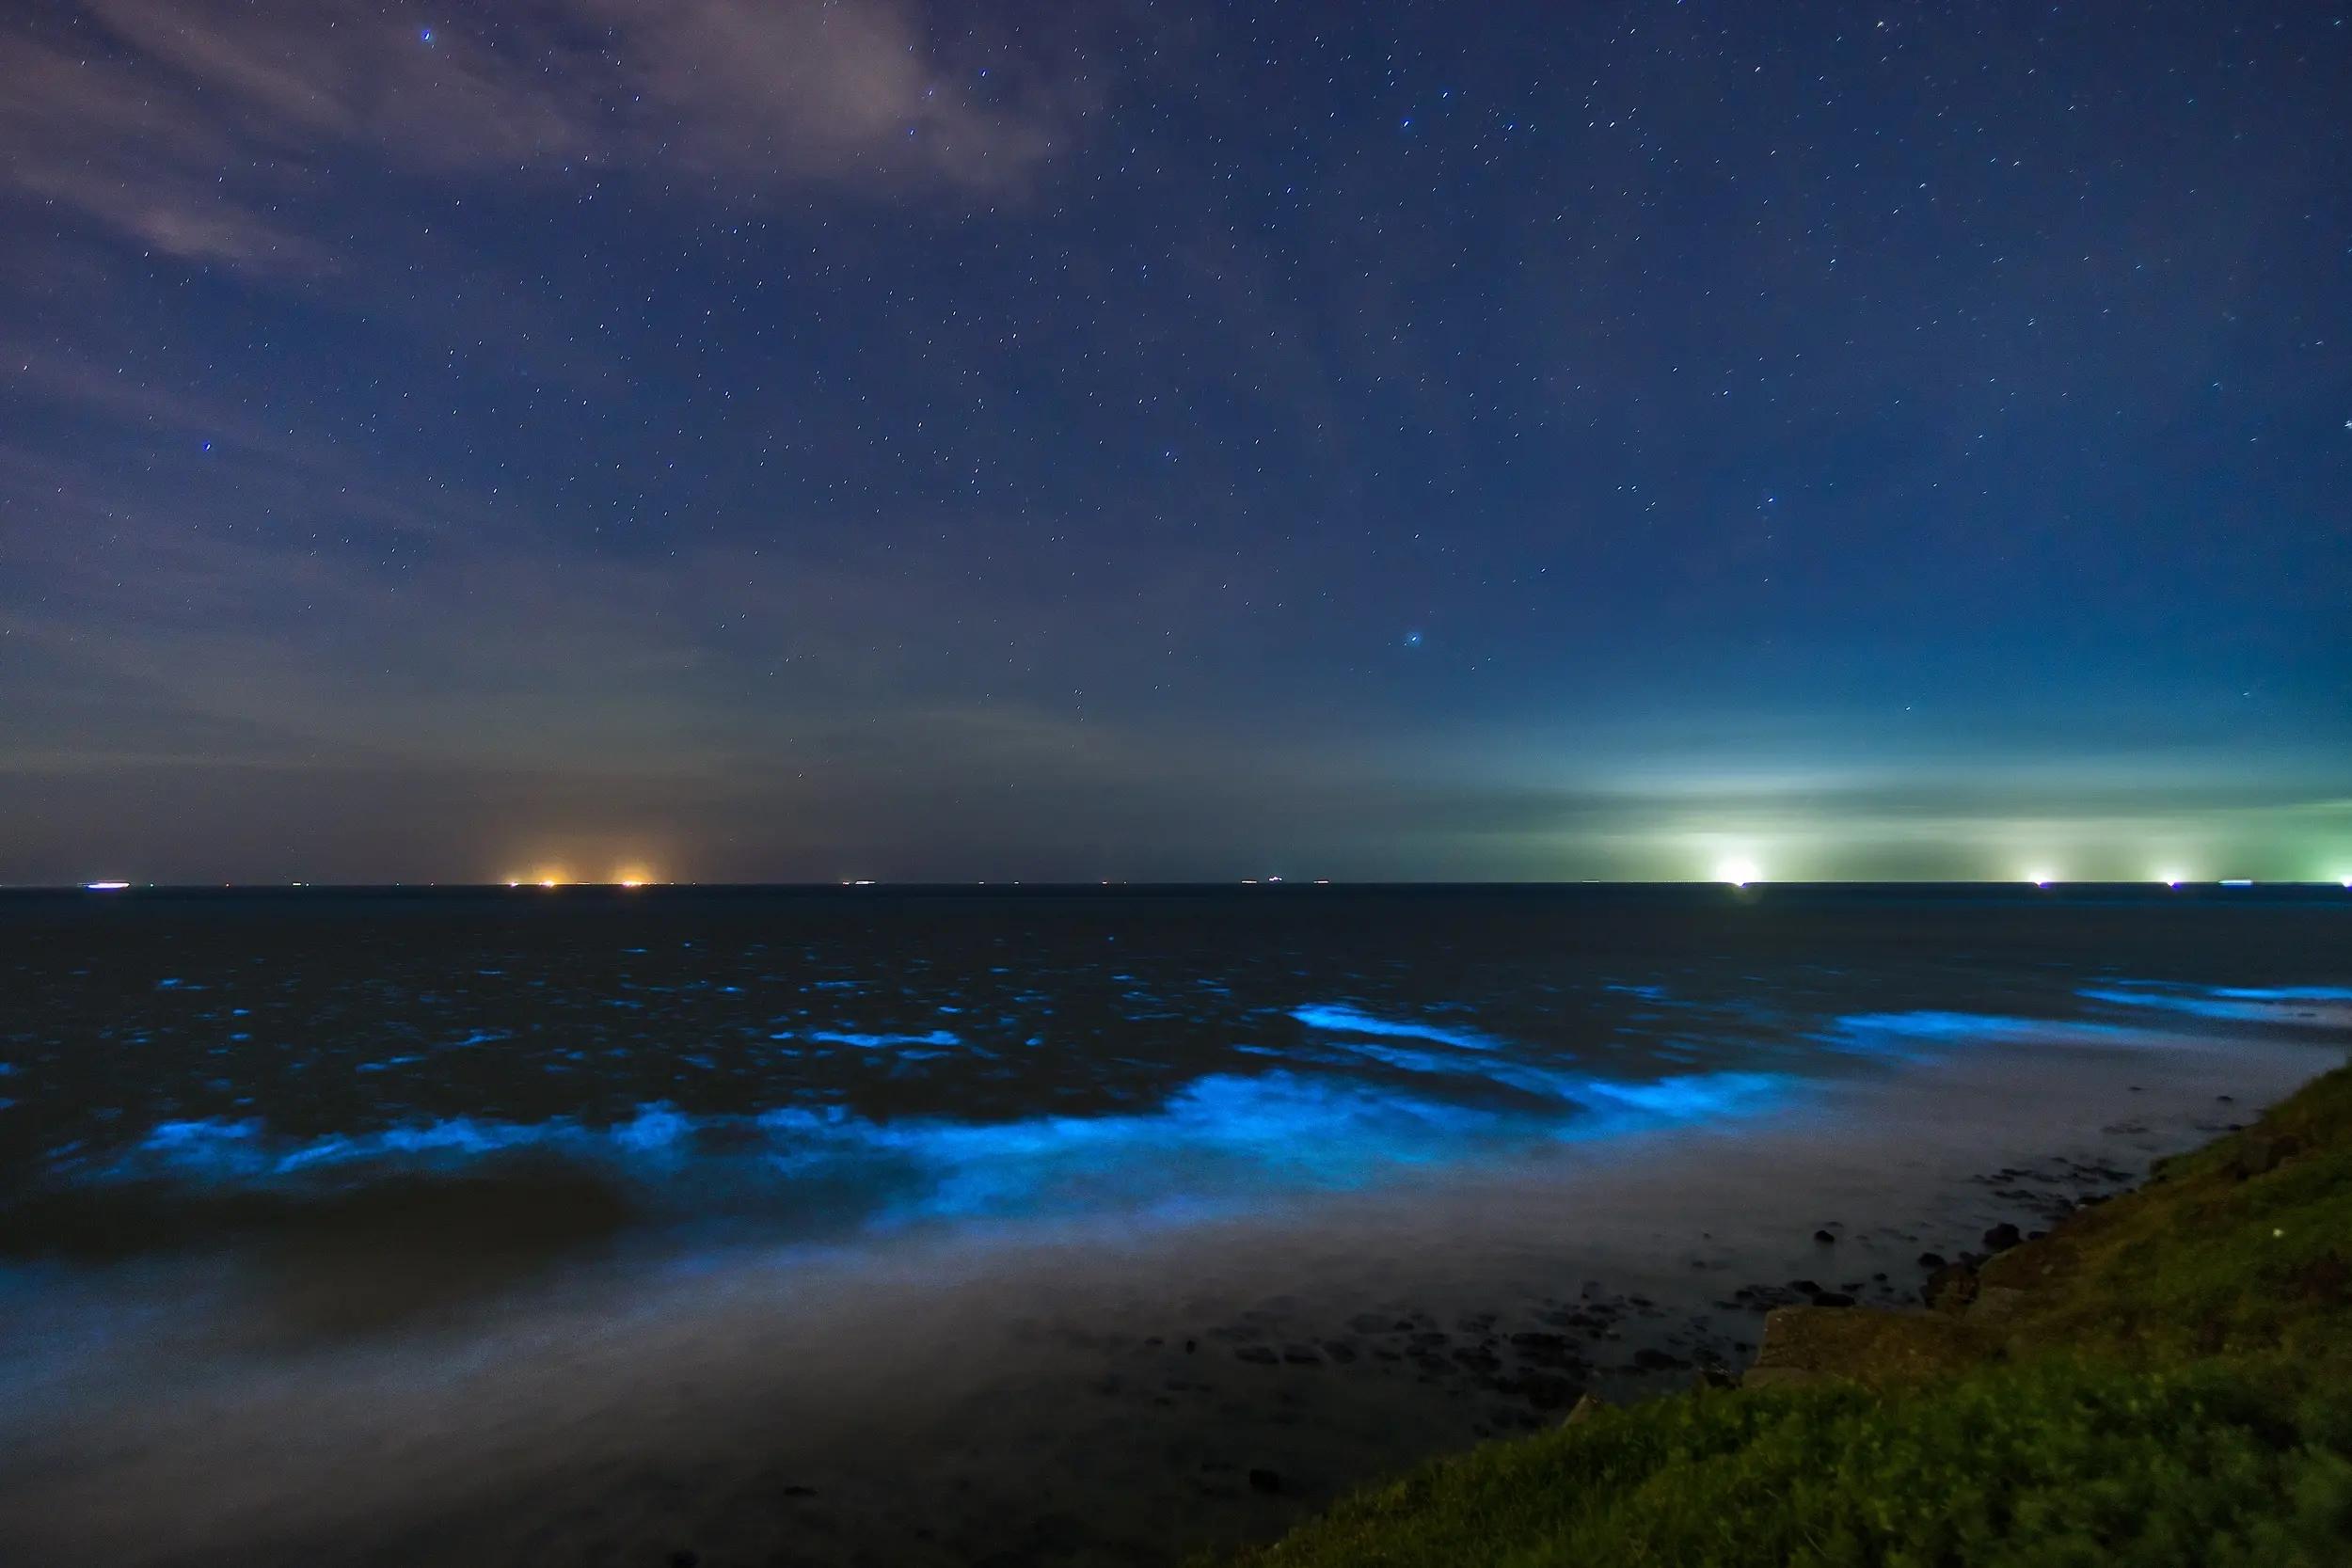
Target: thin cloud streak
<point>214,135</point>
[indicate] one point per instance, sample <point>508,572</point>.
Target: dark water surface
<point>939,1226</point>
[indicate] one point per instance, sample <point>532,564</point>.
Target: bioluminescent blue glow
<point>871,1042</point>
<point>1375,1095</point>
<point>1349,1021</point>
<point>1908,1034</point>
<point>2282,1005</point>
<point>1224,1138</point>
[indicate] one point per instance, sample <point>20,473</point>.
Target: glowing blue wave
<point>1360,1104</point>
<point>1348,1021</point>
<point>2326,1004</point>
<point>1223,1139</point>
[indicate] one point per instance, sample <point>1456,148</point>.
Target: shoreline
<point>2220,1270</point>
<point>1039,1397</point>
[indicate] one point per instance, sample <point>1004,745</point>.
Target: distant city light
<point>119,887</point>
<point>1739,871</point>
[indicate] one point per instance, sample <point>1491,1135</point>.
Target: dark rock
<point>1805,1287</point>
<point>1264,1355</point>
<point>1650,1360</point>
<point>1932,1260</point>
<point>1950,1288</point>
<point>1831,1298</point>
<point>1824,1238</point>
<point>1543,1350</point>
<point>1265,1481</point>
<point>1544,1390</point>
<point>1302,1356</point>
<point>2001,1237</point>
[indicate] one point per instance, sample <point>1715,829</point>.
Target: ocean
<point>1061,1225</point>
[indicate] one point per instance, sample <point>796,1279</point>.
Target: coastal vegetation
<point>2163,1379</point>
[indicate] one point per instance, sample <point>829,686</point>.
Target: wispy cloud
<point>216,134</point>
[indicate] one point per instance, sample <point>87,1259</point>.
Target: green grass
<point>2171,1390</point>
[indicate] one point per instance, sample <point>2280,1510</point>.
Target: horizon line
<point>1272,883</point>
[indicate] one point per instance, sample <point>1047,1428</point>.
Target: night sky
<point>754,441</point>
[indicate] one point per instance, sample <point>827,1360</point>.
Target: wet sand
<point>1118,1390</point>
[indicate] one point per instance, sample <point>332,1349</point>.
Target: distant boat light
<point>119,887</point>
<point>2237,881</point>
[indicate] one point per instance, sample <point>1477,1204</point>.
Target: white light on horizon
<point>2170,879</point>
<point>1739,871</point>
<point>121,886</point>
<point>2040,878</point>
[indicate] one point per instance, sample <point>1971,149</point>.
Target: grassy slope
<point>2174,1388</point>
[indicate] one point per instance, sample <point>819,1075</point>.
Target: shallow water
<point>936,1228</point>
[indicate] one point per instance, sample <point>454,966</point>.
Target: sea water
<point>944,1226</point>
